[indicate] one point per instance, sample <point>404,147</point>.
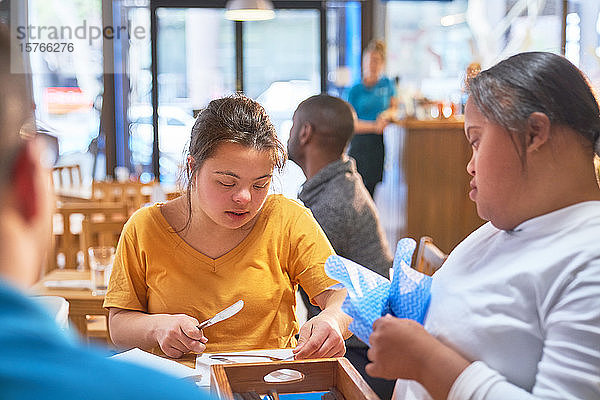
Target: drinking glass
<point>101,261</point>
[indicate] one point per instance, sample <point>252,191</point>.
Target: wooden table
<point>188,360</point>
<point>81,301</point>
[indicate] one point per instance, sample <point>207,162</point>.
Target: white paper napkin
<point>205,360</point>
<point>70,284</point>
<point>148,360</point>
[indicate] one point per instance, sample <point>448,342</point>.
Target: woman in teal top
<point>370,97</point>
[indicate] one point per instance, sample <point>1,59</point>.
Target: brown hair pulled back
<point>509,92</point>
<point>233,119</point>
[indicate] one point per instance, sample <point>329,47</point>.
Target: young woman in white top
<point>515,310</point>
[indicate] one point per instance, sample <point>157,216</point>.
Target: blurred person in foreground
<point>335,193</point>
<point>38,359</point>
<point>515,309</point>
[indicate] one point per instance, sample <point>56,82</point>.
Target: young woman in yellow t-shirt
<point>180,262</point>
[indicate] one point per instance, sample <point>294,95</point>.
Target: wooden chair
<point>98,233</point>
<point>132,194</point>
<point>173,195</point>
<point>429,257</point>
<point>67,176</point>
<point>67,226</point>
<point>68,183</point>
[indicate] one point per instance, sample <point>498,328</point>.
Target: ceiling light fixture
<point>249,10</point>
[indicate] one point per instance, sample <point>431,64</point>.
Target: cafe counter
<point>426,184</point>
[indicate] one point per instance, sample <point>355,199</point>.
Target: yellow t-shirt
<point>155,271</point>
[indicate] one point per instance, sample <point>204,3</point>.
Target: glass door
<point>196,63</point>
<point>281,68</point>
<point>201,56</point>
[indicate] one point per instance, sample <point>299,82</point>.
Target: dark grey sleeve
<point>356,234</point>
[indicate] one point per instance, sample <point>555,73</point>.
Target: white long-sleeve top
<point>524,305</point>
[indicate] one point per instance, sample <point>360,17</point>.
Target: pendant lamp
<point>249,10</point>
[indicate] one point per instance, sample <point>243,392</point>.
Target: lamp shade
<point>249,10</point>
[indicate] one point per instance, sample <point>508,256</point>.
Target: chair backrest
<point>133,194</point>
<point>67,227</point>
<point>105,233</point>
<point>67,176</point>
<point>429,257</point>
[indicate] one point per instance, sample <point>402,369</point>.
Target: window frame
<point>320,6</point>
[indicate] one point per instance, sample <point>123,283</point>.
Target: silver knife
<point>222,315</point>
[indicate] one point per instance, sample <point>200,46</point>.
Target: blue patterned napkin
<point>371,296</point>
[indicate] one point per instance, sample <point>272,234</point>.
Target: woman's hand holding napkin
<point>371,296</point>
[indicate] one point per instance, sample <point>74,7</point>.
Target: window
<point>197,62</point>
<point>281,68</point>
<point>67,85</point>
<point>583,38</point>
<point>428,48</point>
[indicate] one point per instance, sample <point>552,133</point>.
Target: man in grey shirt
<point>334,191</point>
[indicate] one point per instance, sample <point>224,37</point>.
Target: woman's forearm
<point>439,371</point>
<point>130,329</point>
<point>402,349</point>
<point>175,334</point>
<point>331,302</point>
